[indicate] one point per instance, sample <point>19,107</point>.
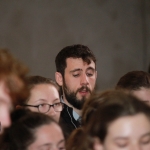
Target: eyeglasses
<point>44,108</point>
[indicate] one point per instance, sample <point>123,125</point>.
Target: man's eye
<point>76,75</point>
<point>89,74</point>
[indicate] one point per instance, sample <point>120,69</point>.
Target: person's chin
<point>84,95</point>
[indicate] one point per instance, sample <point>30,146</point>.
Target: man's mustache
<point>84,88</point>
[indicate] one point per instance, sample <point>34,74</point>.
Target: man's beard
<point>72,98</point>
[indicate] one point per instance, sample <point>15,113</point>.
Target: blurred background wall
<point>118,32</point>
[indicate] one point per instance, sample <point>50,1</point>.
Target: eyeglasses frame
<point>37,106</point>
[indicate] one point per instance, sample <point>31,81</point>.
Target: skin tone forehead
<point>47,135</point>
<point>143,94</point>
<point>78,63</point>
<point>44,93</point>
<point>126,127</point>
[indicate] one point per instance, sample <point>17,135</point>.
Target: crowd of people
<point>69,113</point>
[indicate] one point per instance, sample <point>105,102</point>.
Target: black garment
<point>67,121</point>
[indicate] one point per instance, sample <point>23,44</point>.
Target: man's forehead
<point>75,62</point>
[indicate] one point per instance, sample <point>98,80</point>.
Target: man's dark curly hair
<point>74,51</point>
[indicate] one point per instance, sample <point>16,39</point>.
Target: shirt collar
<point>75,115</point>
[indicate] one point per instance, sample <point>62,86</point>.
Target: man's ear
<point>97,144</point>
<point>59,78</point>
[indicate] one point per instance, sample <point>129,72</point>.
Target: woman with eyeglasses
<point>44,96</point>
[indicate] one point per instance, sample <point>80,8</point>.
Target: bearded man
<point>76,74</point>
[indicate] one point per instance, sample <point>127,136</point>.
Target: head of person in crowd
<point>76,74</point>
<point>32,131</point>
<point>136,83</point>
<point>44,96</point>
<point>92,104</point>
<point>77,140</point>
<point>121,121</point>
<point>12,85</point>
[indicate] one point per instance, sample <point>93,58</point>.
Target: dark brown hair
<point>73,51</point>
<point>134,80</point>
<point>91,105</point>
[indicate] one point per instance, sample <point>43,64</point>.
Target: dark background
<point>118,32</point>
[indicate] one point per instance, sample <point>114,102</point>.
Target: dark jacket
<point>67,121</point>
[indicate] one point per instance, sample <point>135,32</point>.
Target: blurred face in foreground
<point>5,106</point>
<point>48,137</point>
<point>127,133</point>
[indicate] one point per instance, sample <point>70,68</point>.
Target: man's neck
<point>76,110</point>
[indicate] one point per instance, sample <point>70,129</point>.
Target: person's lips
<point>84,92</point>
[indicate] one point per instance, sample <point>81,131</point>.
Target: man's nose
<point>84,79</point>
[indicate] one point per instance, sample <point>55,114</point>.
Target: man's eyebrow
<point>78,69</point>
<point>90,68</point>
<point>61,141</point>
